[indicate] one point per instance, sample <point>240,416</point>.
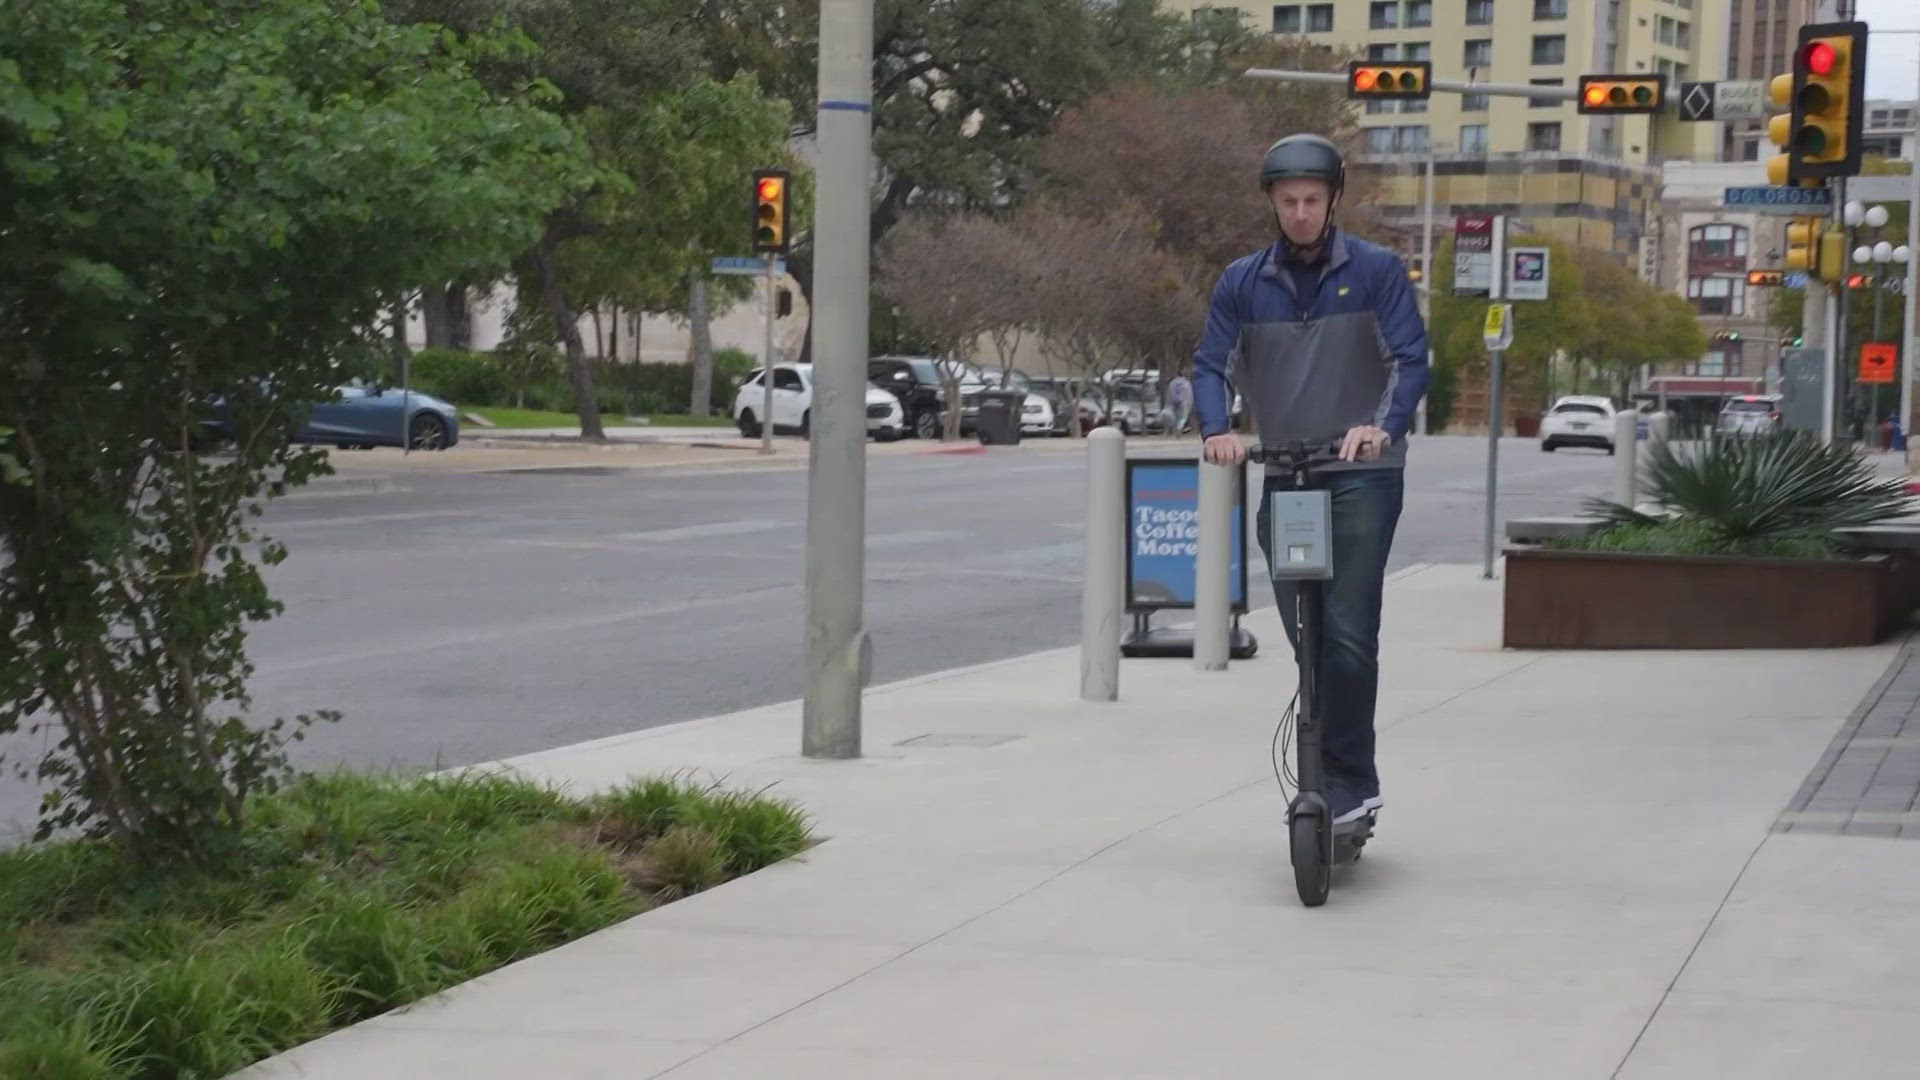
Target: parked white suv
<point>1578,420</point>
<point>793,405</point>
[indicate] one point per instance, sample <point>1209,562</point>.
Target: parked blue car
<point>363,417</point>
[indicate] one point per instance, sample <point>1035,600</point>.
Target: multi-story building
<point>1890,129</point>
<point>1761,37</point>
<point>1703,251</point>
<point>1588,180</point>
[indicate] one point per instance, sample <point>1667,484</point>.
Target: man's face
<point>1302,207</point>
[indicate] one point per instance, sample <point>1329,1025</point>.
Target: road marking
<point>270,524</point>
<point>906,539</point>
<point>701,532</point>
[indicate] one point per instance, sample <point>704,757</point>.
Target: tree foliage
<point>216,205</point>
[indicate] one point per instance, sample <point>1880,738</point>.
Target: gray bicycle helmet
<point>1304,156</point>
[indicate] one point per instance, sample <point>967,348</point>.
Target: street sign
<point>1696,101</point>
<point>747,265</point>
<point>1779,200</point>
<point>1498,331</point>
<point>1473,255</point>
<point>1526,273</point>
<point>1876,362</point>
<point>1744,99</point>
<point>1795,279</point>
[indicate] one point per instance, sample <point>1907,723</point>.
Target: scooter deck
<point>1349,837</point>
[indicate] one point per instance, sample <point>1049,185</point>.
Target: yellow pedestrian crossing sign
<point>1498,331</point>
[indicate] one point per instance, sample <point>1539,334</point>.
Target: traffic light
<point>1825,98</point>
<point>1405,80</point>
<point>1621,94</point>
<point>1817,248</point>
<point>1766,277</point>
<point>1856,281</point>
<point>770,212</point>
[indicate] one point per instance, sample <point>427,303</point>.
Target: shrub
<point>1783,491</point>
<point>463,378</point>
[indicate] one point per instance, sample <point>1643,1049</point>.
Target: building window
<point>1719,294</point>
<point>1221,17</point>
<point>1383,52</point>
<point>1479,53</point>
<point>1546,102</point>
<point>1473,138</point>
<point>1673,32</point>
<point>1549,9</point>
<point>1474,102</point>
<point>1411,139</point>
<point>1384,15</point>
<point>1381,108</point>
<point>1543,136</point>
<point>1479,12</point>
<point>1420,13</point>
<point>1717,242</point>
<point>1550,49</point>
<point>1286,18</point>
<point>1319,18</point>
<point>1380,140</point>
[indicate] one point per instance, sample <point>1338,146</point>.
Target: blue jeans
<point>1366,510</point>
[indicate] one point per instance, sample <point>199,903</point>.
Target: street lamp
<point>1876,217</point>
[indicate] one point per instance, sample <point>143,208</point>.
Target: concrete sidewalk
<point>1576,876</point>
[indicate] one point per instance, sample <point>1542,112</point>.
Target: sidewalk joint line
<point>1469,690</point>
<point>1691,953</point>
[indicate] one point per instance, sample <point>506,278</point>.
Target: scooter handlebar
<point>1297,454</point>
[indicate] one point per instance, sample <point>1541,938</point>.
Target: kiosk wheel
<point>1312,868</point>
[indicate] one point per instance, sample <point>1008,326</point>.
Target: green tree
<point>213,208</point>
<point>1542,329</point>
<point>965,90</point>
<point>670,148</point>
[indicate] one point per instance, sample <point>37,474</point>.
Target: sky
<point>1893,60</point>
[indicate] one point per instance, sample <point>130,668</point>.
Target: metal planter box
<point>1604,600</point>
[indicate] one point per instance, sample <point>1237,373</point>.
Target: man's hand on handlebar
<point>1225,450</point>
<point>1364,443</point>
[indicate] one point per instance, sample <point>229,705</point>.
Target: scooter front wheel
<point>1312,865</point>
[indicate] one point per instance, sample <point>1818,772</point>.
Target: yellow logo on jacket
<point>1343,290</point>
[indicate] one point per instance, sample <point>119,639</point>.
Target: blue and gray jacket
<point>1315,350</point>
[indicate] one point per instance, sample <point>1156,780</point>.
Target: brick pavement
<point>1868,781</point>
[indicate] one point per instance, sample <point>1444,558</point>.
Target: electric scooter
<point>1300,550</point>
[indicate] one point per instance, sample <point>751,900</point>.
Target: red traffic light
<point>1596,95</point>
<point>770,187</point>
<point>1819,58</point>
<point>1364,78</point>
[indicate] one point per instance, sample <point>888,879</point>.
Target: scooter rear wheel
<point>1312,867</point>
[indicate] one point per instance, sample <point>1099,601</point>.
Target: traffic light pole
<point>837,645</point>
<point>1837,356</point>
<point>1336,78</point>
<point>766,371</point>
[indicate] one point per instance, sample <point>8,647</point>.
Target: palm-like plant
<point>1775,487</point>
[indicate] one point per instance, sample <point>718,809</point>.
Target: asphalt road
<point>468,617</point>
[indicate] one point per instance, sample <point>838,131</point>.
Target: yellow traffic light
<point>1617,94</point>
<point>1780,131</point>
<point>1803,245</point>
<point>1768,278</point>
<point>1407,80</point>
<point>770,212</point>
<point>1822,131</point>
<point>1833,255</point>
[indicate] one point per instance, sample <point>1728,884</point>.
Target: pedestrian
<point>1180,402</point>
<point>1319,332</point>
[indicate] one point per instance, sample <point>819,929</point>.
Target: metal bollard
<point>1659,425</point>
<point>1103,570</point>
<point>1212,583</point>
<point>1626,435</point>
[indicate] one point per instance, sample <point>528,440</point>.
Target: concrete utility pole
<point>838,652</point>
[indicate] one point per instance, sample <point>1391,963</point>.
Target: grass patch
<point>508,418</point>
<point>1686,537</point>
<point>356,895</point>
